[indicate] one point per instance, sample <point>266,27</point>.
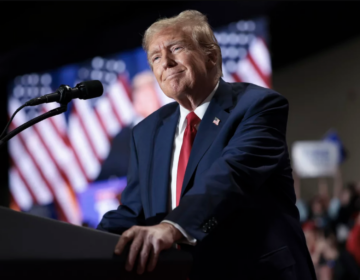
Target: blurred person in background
<point>145,101</point>
<point>335,202</point>
<point>323,249</point>
<point>326,254</point>
<point>311,237</point>
<point>353,241</point>
<point>300,203</point>
<point>332,235</point>
<point>318,212</point>
<point>347,266</point>
<point>346,213</point>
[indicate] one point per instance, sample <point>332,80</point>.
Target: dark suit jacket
<point>237,199</point>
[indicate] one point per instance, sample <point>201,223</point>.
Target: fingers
<point>147,243</point>
<point>154,256</point>
<point>144,256</point>
<point>125,238</point>
<point>134,251</point>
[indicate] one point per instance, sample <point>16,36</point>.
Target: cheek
<point>157,73</point>
<point>197,65</point>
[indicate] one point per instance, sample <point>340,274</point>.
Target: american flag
<point>216,121</point>
<point>56,159</point>
<point>245,53</point>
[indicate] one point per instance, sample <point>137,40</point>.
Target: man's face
<point>180,67</point>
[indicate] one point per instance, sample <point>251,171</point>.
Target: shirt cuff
<point>188,239</point>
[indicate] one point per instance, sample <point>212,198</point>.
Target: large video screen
<point>73,167</point>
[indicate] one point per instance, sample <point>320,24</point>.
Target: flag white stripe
<point>107,116</point>
<point>248,74</point>
<point>93,128</point>
<point>226,75</point>
<point>261,56</point>
<point>64,197</point>
<point>62,155</point>
<point>58,120</point>
<point>81,146</point>
<point>60,152</point>
<point>19,191</point>
<point>30,173</point>
<point>51,174</point>
<point>122,104</point>
<point>59,125</point>
<point>48,169</point>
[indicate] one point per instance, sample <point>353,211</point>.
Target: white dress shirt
<point>178,140</point>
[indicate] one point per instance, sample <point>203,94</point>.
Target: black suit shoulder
<point>255,98</point>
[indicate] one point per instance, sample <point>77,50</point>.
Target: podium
<point>33,247</point>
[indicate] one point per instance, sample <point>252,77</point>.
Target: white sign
<point>315,158</point>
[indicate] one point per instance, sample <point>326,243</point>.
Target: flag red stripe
<point>62,215</point>
<point>265,78</point>
<point>13,203</point>
<point>33,196</point>
<point>66,140</point>
<point>236,78</point>
<point>102,124</point>
<point>89,139</point>
<point>126,86</point>
<point>115,112</point>
<point>50,153</point>
<point>58,167</point>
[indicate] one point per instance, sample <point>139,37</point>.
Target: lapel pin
<point>216,121</point>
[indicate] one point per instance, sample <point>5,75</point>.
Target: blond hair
<point>193,22</point>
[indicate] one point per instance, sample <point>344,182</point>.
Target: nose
<point>168,61</point>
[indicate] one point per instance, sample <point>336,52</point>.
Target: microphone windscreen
<point>90,89</point>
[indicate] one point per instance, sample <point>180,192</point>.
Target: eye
<point>176,48</point>
<point>155,58</point>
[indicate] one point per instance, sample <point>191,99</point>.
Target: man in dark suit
<point>210,171</point>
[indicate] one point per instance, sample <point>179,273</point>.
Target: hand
<point>148,241</point>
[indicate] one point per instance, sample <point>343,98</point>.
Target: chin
<point>173,92</point>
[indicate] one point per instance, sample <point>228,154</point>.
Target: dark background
<point>40,36</point>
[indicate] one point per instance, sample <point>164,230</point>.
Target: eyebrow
<point>171,43</point>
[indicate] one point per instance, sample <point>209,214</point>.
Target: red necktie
<point>189,136</point>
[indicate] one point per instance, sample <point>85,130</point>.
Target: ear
<point>212,59</point>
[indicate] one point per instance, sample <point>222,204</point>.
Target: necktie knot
<point>192,119</point>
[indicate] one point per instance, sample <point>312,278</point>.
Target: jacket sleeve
<point>130,212</point>
<point>234,180</point>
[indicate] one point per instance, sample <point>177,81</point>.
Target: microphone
<point>64,94</point>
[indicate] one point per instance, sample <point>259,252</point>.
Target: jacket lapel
<point>208,130</point>
<point>163,150</point>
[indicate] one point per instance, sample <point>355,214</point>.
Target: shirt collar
<point>199,111</point>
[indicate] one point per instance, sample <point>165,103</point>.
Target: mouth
<point>173,75</point>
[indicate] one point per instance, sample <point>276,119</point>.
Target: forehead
<point>167,37</point>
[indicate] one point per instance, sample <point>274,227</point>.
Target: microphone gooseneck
<point>64,94</point>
